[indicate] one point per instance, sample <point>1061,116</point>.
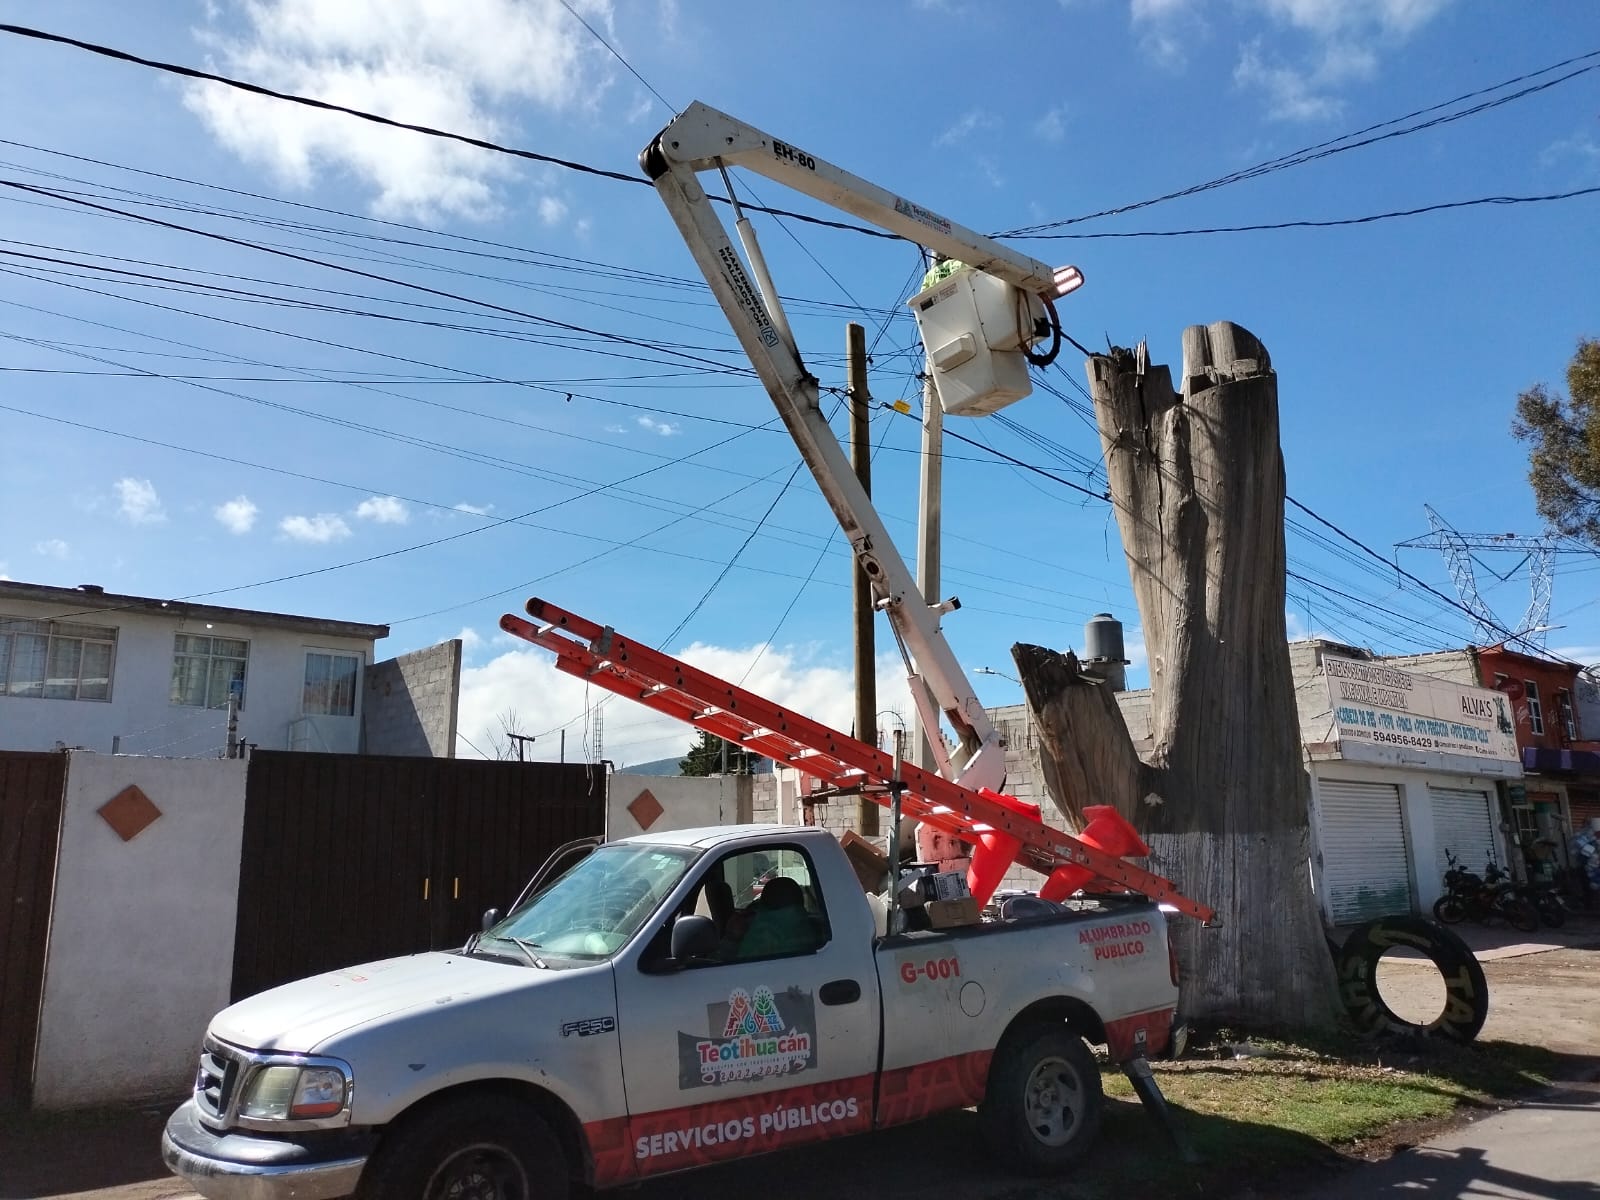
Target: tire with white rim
<point>478,1147</point>
<point>1041,1110</point>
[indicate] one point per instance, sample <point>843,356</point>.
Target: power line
<point>372,275</point>
<point>617,54</point>
<point>310,102</point>
<point>1331,147</point>
<point>1308,224</point>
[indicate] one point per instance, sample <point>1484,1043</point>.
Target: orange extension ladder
<point>598,654</point>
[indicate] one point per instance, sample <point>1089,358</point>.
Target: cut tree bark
<point>1222,796</point>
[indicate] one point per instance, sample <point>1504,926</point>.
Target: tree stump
<point>1222,796</point>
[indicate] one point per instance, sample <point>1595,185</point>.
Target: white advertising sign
<point>1382,706</point>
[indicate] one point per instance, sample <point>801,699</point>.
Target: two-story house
<point>83,667</point>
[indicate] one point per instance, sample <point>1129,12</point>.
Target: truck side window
<point>776,905</point>
<point>765,904</point>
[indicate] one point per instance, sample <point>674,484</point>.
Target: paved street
<point>1547,1149</point>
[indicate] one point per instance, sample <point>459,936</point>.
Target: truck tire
<point>1041,1110</point>
<point>488,1147</point>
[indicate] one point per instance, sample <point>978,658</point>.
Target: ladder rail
<point>599,655</point>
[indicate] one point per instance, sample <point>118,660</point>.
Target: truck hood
<point>299,1017</point>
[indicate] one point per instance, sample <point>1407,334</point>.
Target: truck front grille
<point>215,1083</point>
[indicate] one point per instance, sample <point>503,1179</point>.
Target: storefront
<point>1405,776</point>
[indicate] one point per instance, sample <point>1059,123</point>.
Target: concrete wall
<point>412,703</point>
<point>141,713</point>
<point>141,938</point>
<point>687,802</point>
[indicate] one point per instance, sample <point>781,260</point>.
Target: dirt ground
<point>1550,998</point>
<point>1545,994</point>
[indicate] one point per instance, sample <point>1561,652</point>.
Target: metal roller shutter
<point>1363,842</point>
<point>1463,824</point>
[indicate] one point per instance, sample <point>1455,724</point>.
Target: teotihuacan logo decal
<point>761,1035</point>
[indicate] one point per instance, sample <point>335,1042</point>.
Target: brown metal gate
<point>349,858</point>
<point>31,787</point>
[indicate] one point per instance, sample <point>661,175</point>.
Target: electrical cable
<point>327,106</point>
<point>1443,206</point>
<point>1328,148</point>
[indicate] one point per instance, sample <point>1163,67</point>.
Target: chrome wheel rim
<point>1052,1099</point>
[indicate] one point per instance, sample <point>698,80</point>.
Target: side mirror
<point>693,937</point>
<point>491,918</point>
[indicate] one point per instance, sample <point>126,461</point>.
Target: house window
<point>1564,707</point>
<point>330,689</point>
<point>204,669</point>
<point>1535,712</point>
<point>55,660</point>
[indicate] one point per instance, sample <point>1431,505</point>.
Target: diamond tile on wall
<point>129,813</point>
<point>645,809</point>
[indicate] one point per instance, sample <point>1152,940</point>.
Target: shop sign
<point>1379,706</point>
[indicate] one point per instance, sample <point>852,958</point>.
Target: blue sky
<point>303,439</point>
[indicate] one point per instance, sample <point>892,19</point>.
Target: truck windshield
<point>593,909</point>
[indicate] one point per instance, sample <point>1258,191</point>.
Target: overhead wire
<point>1348,141</point>
<point>328,106</point>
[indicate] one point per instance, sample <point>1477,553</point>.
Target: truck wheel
<point>1041,1110</point>
<point>488,1148</point>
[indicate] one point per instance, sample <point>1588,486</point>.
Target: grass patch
<point>1292,1106</point>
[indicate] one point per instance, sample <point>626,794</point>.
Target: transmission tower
<point>1457,548</point>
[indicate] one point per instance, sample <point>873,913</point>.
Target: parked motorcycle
<point>1471,895</point>
<point>1546,900</point>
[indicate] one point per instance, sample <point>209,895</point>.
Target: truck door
<point>771,1044</point>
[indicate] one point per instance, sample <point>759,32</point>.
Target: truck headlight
<point>294,1093</point>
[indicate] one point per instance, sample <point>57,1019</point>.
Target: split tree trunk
<point>1221,795</point>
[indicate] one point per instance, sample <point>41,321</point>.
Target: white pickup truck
<point>666,1002</point>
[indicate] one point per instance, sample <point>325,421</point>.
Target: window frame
<point>1530,691</point>
<point>1567,714</point>
<point>354,656</point>
<point>57,632</point>
<point>657,945</point>
<point>210,658</point>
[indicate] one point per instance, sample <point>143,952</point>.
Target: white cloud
<point>237,515</point>
<point>1292,95</point>
<point>52,548</point>
<point>1346,37</point>
<point>385,510</point>
<point>1580,148</point>
<point>1052,127</point>
<point>551,210</point>
<point>471,641</point>
<point>966,125</point>
<point>664,428</point>
<point>1337,42</point>
<point>138,502</point>
<point>324,527</point>
<point>615,428</point>
<point>525,682</point>
<point>477,510</point>
<point>458,65</point>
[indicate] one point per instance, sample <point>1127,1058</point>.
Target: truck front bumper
<point>251,1166</point>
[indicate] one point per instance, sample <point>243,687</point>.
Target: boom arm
<point>702,139</point>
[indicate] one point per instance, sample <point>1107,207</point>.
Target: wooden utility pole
<point>929,531</point>
<point>866,651</point>
<point>1221,794</point>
